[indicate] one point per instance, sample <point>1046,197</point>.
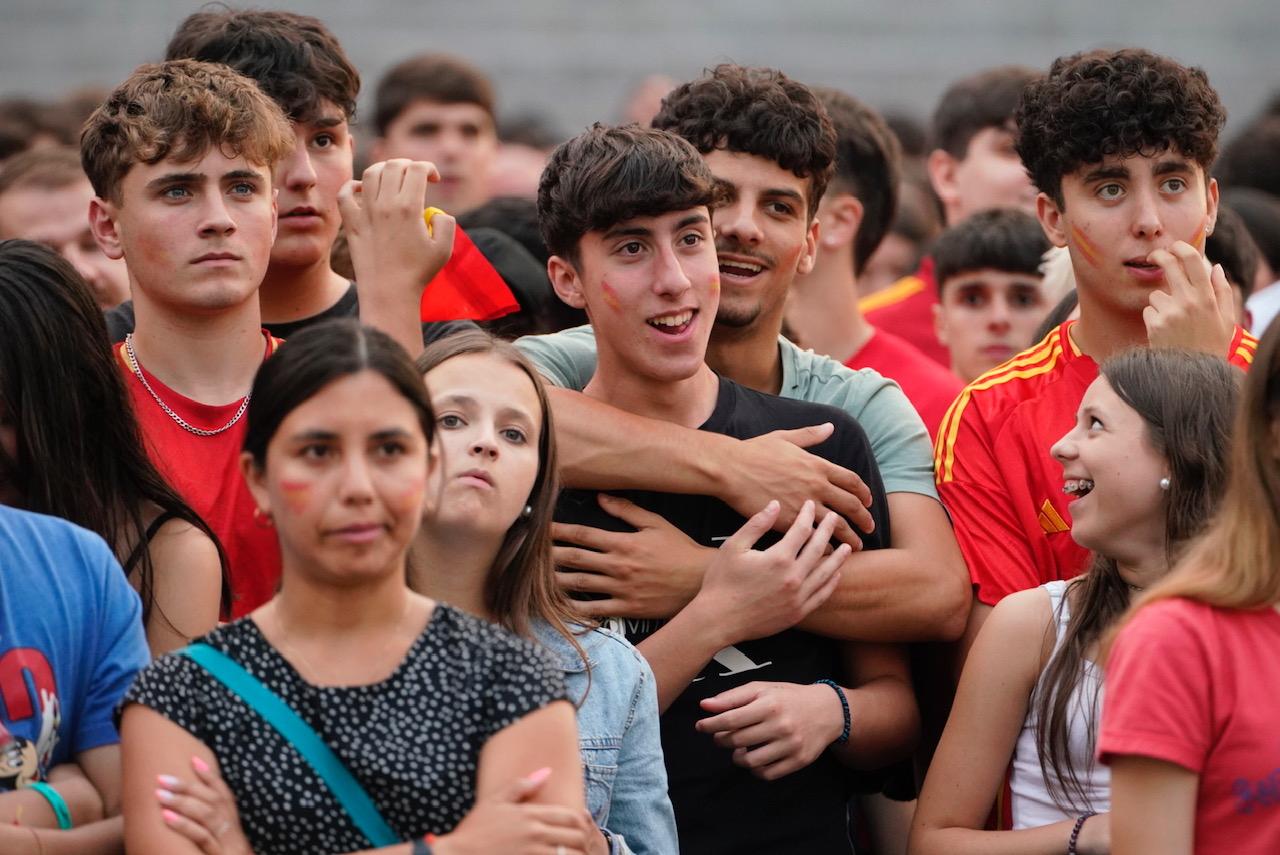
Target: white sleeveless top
<point>1032,805</point>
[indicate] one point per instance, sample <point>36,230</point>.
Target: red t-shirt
<point>928,386</point>
<point>205,470</point>
<point>995,474</point>
<point>905,309</point>
<point>1195,685</point>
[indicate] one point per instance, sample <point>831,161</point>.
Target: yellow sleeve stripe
<point>1037,361</point>
<point>907,286</point>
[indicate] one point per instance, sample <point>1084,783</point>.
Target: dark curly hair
<point>1102,104</point>
<point>756,111</point>
<point>607,175</point>
<point>293,58</point>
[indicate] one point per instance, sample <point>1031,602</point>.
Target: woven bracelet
<point>844,708</point>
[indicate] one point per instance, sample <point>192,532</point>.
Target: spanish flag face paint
<point>1197,240</point>
<point>1088,249</point>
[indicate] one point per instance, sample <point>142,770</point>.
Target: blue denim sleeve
<point>639,809</point>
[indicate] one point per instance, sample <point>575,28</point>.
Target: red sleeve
<point>1158,688</point>
<point>988,527</point>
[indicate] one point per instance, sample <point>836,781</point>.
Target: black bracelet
<point>420,847</point>
<point>844,708</point>
<point>1075,833</point>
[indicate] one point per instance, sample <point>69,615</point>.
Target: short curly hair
<point>756,111</point>
<point>180,109</point>
<point>1102,104</point>
<point>607,175</point>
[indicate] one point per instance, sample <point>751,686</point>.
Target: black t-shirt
<point>120,320</point>
<point>720,807</point>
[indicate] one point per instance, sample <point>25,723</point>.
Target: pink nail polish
<point>169,816</point>
<point>168,781</point>
<point>164,796</point>
<point>541,775</point>
<point>199,765</point>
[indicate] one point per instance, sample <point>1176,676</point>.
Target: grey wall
<point>573,59</point>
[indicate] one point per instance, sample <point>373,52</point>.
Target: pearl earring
<point>1164,483</point>
<point>528,510</point>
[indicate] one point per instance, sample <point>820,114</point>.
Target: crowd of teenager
<point>832,487</point>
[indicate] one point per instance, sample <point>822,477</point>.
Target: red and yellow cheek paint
<point>1088,249</point>
<point>411,495</point>
<point>715,285</point>
<point>297,495</point>
<point>610,296</point>
<point>1197,239</point>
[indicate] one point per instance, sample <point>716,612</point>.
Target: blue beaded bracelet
<point>60,810</point>
<point>844,708</point>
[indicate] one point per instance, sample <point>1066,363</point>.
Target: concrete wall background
<point>574,59</point>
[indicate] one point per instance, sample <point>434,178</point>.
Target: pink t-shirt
<point>1195,685</point>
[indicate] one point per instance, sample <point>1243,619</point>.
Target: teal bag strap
<point>354,800</point>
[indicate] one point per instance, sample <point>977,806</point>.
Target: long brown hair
<point>1234,566</point>
<point>80,454</point>
<point>1187,401</point>
<point>522,583</point>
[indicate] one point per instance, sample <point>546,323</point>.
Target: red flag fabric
<point>467,287</point>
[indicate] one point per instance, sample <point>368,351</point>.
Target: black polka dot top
<point>412,740</point>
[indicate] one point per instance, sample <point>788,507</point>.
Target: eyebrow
<point>320,435</point>
<point>785,192</point>
<point>691,220</point>
<point>197,177</point>
<point>627,231</point>
<point>466,400</point>
<point>328,121</point>
<point>1101,172</point>
<point>1170,165</point>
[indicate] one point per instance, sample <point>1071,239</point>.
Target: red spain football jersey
<point>995,474</point>
<point>205,470</point>
<point>905,309</point>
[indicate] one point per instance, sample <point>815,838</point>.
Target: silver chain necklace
<point>182,423</point>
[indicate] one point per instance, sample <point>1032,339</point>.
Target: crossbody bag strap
<point>345,788</point>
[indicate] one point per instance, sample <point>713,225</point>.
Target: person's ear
<point>566,282</point>
<point>1051,220</point>
<point>940,324</point>
<point>841,218</point>
<point>942,169</point>
<point>1211,212</point>
<point>256,480</point>
<point>103,222</point>
<point>809,257</point>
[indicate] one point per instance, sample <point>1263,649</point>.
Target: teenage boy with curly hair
<point>1119,144</point>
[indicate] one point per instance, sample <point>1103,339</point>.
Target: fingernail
<point>169,816</point>
<point>168,781</point>
<point>539,776</point>
<point>199,765</point>
<point>164,796</point>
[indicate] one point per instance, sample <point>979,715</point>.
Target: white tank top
<point>1032,805</point>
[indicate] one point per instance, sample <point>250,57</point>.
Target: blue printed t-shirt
<point>71,641</point>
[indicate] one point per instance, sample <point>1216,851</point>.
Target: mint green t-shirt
<point>898,437</point>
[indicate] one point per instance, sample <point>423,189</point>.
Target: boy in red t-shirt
<point>991,294</point>
<point>1120,144</point>
<point>973,167</point>
<point>855,212</point>
<point>181,157</point>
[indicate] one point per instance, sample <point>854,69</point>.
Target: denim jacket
<point>618,734</point>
